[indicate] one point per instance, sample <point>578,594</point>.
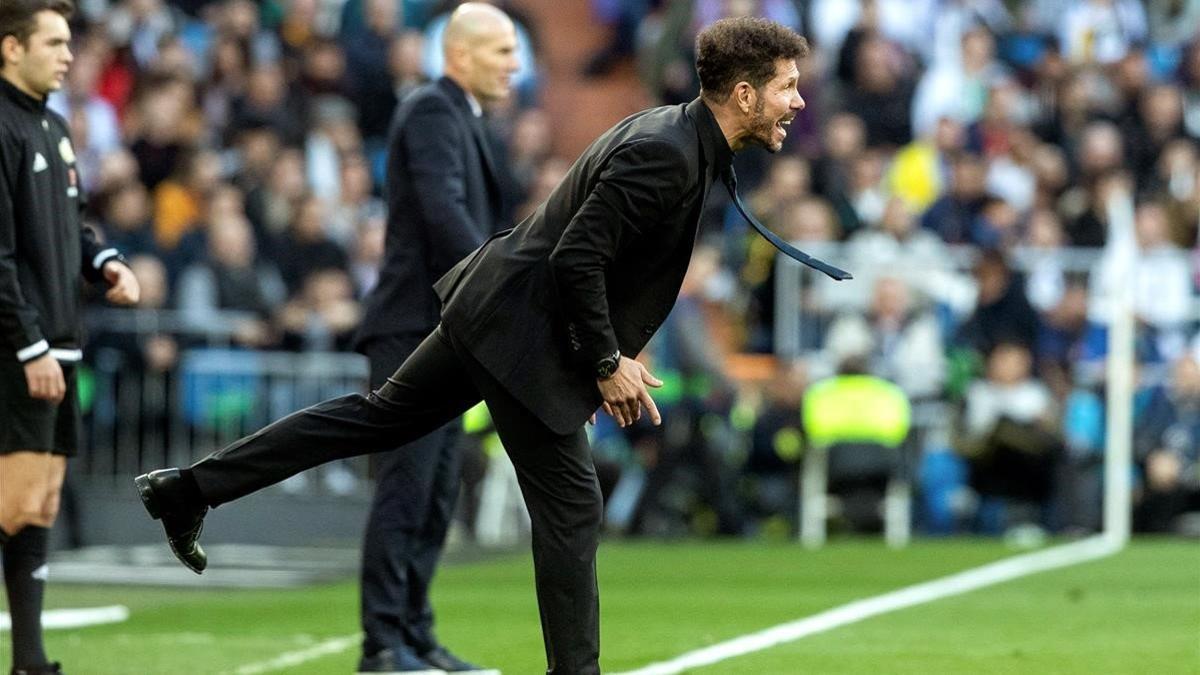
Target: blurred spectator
<point>323,315</point>
<point>1051,176</point>
<point>1189,78</point>
<point>1179,176</point>
<point>1045,277</point>
<point>1158,123</point>
<point>179,200</point>
<point>141,26</point>
<point>323,70</point>
<point>953,216</point>
<point>332,136</point>
<point>844,138</point>
<point>1101,31</point>
<point>232,278</point>
<point>1162,285</point>
<point>368,63</point>
<point>404,63</point>
<point>366,254</point>
<point>902,248</point>
<point>788,178</point>
<point>958,89</point>
<point>272,205</point>
<point>163,125</point>
<point>1063,336</point>
<point>1008,432</point>
<point>268,101</point>
<point>1173,22</point>
<point>1002,313</point>
<point>997,224</point>
<point>918,171</point>
<point>255,151</point>
<point>354,203</point>
<point>226,82</point>
<point>881,94</point>
<point>1012,174</point>
<point>1167,444</point>
<point>898,340</point>
<point>127,220</point>
<point>530,147</point>
<point>306,249</point>
<point>860,206</point>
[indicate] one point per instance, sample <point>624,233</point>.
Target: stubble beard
<point>763,129</point>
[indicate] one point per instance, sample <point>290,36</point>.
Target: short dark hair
<point>19,17</point>
<point>743,49</point>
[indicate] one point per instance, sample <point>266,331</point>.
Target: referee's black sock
<point>25,580</point>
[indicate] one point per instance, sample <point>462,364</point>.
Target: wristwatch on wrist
<point>606,366</point>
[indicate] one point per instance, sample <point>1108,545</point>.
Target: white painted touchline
<point>288,659</point>
<point>54,619</point>
<point>955,584</point>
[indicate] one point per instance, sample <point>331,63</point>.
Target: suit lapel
<point>491,173</point>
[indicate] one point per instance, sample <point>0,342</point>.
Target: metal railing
<point>141,418</point>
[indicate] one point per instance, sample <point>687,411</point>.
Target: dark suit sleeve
<point>637,189</point>
<point>19,326</point>
<point>432,138</point>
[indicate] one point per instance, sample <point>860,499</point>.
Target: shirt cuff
<point>33,351</point>
<point>104,256</point>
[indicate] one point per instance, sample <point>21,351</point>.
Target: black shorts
<point>32,424</point>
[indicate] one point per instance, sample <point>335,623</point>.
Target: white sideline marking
<point>289,659</point>
<point>74,618</point>
<point>955,584</point>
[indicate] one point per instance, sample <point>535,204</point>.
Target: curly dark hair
<point>743,49</point>
<point>18,17</point>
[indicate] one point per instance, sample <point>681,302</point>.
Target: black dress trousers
<point>416,488</point>
<point>436,384</point>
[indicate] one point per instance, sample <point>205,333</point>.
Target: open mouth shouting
<point>783,124</point>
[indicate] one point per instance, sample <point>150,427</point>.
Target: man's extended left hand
<point>123,286</point>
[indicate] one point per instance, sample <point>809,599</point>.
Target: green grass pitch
<point>1136,612</point>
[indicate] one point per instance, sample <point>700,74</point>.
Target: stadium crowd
<point>957,156</point>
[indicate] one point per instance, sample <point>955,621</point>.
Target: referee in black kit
<point>43,250</point>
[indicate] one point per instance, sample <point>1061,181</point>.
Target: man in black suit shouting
<point>542,322</point>
<point>444,199</point>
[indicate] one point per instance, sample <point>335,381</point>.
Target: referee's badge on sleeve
<point>65,149</point>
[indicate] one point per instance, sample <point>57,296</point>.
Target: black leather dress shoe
<point>48,669</point>
<point>440,657</point>
<point>161,493</point>
<point>400,661</point>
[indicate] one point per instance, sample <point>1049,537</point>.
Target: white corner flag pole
<point>1118,451</point>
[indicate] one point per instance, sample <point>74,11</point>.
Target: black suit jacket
<point>595,268</point>
<point>444,199</point>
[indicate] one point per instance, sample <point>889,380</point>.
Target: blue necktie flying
<point>730,181</point>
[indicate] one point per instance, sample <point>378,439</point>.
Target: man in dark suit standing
<point>542,322</point>
<point>444,199</point>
